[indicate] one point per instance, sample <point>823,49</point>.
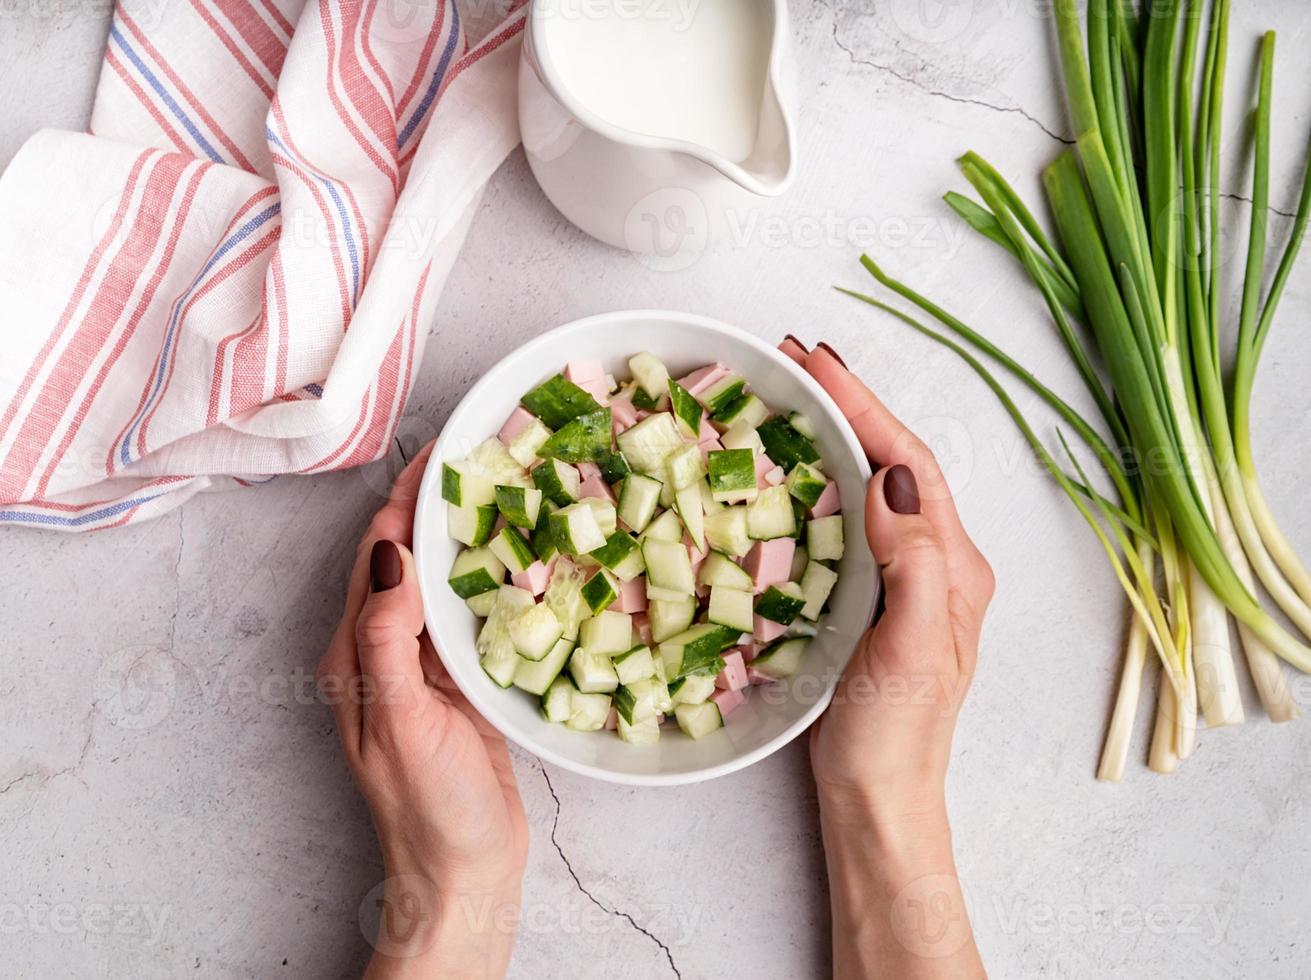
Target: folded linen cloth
<point>232,275</point>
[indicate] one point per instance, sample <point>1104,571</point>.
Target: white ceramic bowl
<point>773,715</point>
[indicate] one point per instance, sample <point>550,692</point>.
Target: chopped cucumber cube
<point>731,607</point>
<point>666,527</point>
<point>464,486</point>
<point>770,515</point>
<point>698,720</point>
<point>638,500</point>
<point>556,700</point>
<point>719,569</point>
<point>800,559</point>
<point>622,555</point>
<point>475,572</point>
<point>692,689</point>
<point>644,732</point>
<point>648,443</point>
<point>604,512</point>
<point>669,617</point>
<point>607,634</point>
<point>519,505</point>
<point>539,677</point>
<point>640,701</point>
<point>525,447</point>
<point>584,440</point>
<point>481,605</point>
<point>492,458</point>
<point>636,664</point>
<point>614,466</point>
<point>816,584</point>
<point>727,531</point>
<point>543,540</point>
<point>722,393</point>
<point>685,408</point>
<point>687,505</point>
<point>513,550</point>
<point>558,401</point>
<point>684,467</point>
<point>593,673</point>
<point>534,632</point>
<point>824,538</point>
<point>802,424</point>
<point>783,659</point>
<point>575,529</point>
<point>708,502</point>
<point>650,373</point>
<point>733,475</point>
<point>696,649</point>
<point>471,525</point>
<point>806,483</point>
<point>564,596</point>
<point>668,567</point>
<point>588,712</point>
<point>742,435</point>
<point>743,408</point>
<point>781,603</point>
<point>500,659</point>
<point>600,590</point>
<point>557,480</point>
<point>784,444</point>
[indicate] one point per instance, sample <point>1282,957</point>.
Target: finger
<point>394,522</point>
<point>387,636</point>
<point>794,349</point>
<point>916,625</point>
<point>885,439</point>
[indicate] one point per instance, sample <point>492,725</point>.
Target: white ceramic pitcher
<point>657,196</point>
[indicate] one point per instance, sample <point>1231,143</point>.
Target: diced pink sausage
<point>828,502</point>
<point>767,631</point>
<point>707,431</point>
<point>734,675</point>
<point>622,413</point>
<point>697,556</point>
<point>756,677</point>
<point>749,651</point>
<point>775,476</point>
<point>702,378</point>
<point>580,371</point>
<point>770,562</point>
<point>727,701</point>
<point>612,720</point>
<point>632,596</point>
<point>643,626</point>
<point>534,578</point>
<point>597,388</point>
<point>763,465</point>
<point>595,486</point>
<point>587,470</point>
<point>519,420</point>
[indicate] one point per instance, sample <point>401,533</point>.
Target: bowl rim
<point>431,485</point>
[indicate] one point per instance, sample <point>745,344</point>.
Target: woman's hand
<point>880,752</point>
<point>437,777</point>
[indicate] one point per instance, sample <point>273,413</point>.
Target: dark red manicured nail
<point>900,490</point>
<point>831,352</point>
<point>794,340</point>
<point>385,565</point>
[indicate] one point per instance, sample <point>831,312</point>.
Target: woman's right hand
<point>880,752</point>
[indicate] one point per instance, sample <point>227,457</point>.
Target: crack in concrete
<point>937,93</point>
<point>618,913</point>
<point>46,776</point>
<point>1231,196</point>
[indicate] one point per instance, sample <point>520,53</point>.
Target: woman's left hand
<point>437,777</point>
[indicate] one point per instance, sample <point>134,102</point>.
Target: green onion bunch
<point>1132,281</point>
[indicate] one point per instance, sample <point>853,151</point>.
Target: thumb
<point>915,625</point>
<point>388,627</point>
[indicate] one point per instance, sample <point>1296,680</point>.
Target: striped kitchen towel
<point>232,275</point>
